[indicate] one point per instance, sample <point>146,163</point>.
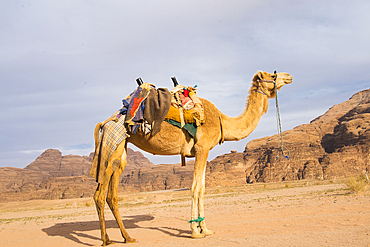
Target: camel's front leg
<point>202,224</point>
<point>112,199</point>
<point>197,189</point>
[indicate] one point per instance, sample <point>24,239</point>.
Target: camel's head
<point>265,81</point>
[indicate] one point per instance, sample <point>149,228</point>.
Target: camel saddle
<point>185,106</point>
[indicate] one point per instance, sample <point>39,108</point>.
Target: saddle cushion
<point>190,116</point>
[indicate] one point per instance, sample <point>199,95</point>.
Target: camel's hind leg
<point>111,178</point>
<point>112,199</point>
<point>99,198</point>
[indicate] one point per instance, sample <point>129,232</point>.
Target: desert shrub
<point>357,184</point>
<point>365,177</point>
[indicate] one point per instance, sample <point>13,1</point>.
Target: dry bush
<point>357,184</point>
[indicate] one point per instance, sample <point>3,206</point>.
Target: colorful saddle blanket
<point>148,107</point>
<point>133,106</point>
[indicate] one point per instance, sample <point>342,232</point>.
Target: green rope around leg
<point>200,219</point>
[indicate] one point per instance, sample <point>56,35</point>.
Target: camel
<point>172,140</point>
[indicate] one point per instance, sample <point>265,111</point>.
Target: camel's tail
<point>96,133</point>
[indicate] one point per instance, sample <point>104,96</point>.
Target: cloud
<point>66,65</point>
<point>31,151</point>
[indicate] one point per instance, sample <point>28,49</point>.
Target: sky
<point>67,65</point>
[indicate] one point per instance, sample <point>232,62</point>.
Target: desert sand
<point>305,213</point>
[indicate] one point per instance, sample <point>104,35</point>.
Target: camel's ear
<point>260,75</point>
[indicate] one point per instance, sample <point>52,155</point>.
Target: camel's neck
<point>236,128</point>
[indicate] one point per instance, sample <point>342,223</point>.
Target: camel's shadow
<point>75,230</point>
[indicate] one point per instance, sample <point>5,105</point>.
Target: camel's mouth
<point>285,78</point>
<point>289,80</point>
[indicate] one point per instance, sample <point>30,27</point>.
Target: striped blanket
<point>112,134</point>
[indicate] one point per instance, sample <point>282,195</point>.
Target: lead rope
<point>279,122</point>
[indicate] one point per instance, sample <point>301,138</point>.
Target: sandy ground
<point>282,214</point>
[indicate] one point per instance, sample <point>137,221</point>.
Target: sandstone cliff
<point>334,145</point>
<point>13,179</point>
<point>52,162</point>
<point>159,177</point>
<point>54,176</point>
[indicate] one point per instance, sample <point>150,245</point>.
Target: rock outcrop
<point>159,177</point>
<point>135,160</point>
<point>52,162</point>
<point>334,145</point>
<point>13,179</point>
<point>67,187</point>
<point>54,176</point>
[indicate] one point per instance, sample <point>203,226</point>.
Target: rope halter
<point>278,118</point>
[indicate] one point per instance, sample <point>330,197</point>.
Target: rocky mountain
<point>159,177</point>
<point>54,176</point>
<point>52,162</point>
<point>13,179</point>
<point>334,145</point>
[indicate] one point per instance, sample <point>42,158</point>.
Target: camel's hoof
<point>207,233</point>
<point>197,235</point>
<point>107,242</point>
<point>130,240</point>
